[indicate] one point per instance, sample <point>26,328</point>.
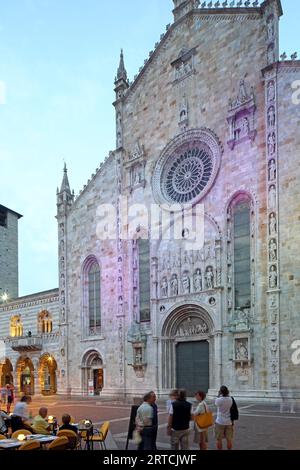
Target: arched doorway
<point>6,373</point>
<point>25,371</point>
<point>187,349</point>
<point>47,375</point>
<point>92,373</point>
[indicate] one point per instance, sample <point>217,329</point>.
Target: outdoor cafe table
<point>10,444</point>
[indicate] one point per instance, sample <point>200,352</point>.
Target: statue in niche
<point>241,351</point>
<point>245,127</point>
<point>119,140</point>
<point>274,318</point>
<point>229,277</point>
<point>271,116</point>
<point>272,170</point>
<point>273,250</point>
<point>135,299</point>
<point>273,277</point>
<point>135,279</point>
<point>164,287</point>
<point>271,91</point>
<point>209,276</point>
<point>174,285</point>
<point>270,28</point>
<point>209,252</point>
<point>271,54</point>
<point>176,260</point>
<point>186,284</point>
<point>272,197</point>
<point>274,348</point>
<point>273,225</point>
<point>229,257</point>
<point>198,281</point>
<point>63,315</point>
<point>274,367</point>
<point>271,143</point>
<point>273,335</point>
<point>273,301</point>
<point>137,174</point>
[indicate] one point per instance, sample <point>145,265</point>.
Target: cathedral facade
<point>210,123</point>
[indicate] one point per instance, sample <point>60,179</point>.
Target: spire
<point>122,74</point>
<point>65,186</point>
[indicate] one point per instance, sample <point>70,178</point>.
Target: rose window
<point>187,168</point>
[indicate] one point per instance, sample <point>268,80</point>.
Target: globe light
<point>21,437</point>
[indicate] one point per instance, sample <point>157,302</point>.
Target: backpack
<point>234,412</point>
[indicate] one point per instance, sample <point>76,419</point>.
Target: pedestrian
<point>21,416</point>
<point>180,416</point>
<point>3,396</point>
<point>146,422</point>
<point>201,435</point>
<point>172,397</point>
<point>10,397</point>
<point>224,423</point>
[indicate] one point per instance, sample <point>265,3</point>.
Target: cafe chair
<point>61,443</point>
<point>101,435</point>
<point>71,436</point>
<point>20,431</point>
<point>30,445</point>
<point>85,434</point>
<point>2,437</point>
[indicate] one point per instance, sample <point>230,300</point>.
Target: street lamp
<point>4,297</point>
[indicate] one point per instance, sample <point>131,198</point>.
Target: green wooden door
<point>192,366</point>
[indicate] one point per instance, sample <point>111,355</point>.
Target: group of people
<point>21,418</point>
<point>180,414</point>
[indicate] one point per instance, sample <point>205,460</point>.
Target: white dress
<point>199,410</point>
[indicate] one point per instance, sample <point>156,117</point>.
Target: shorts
<point>10,400</point>
<point>223,432</point>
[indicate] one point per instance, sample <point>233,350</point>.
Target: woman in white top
<point>201,435</point>
<point>224,424</point>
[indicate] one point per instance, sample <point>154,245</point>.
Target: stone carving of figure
<point>271,91</point>
<point>242,322</point>
<point>164,287</point>
<point>271,143</point>
<point>273,225</point>
<point>271,116</point>
<point>137,174</point>
<point>273,277</point>
<point>174,285</point>
<point>209,278</point>
<point>272,197</point>
<point>271,54</point>
<point>176,261</point>
<point>274,348</point>
<point>135,299</point>
<point>241,352</point>
<point>272,170</point>
<point>229,277</point>
<point>135,279</point>
<point>63,315</point>
<point>186,285</point>
<point>245,128</point>
<point>273,250</point>
<point>270,28</point>
<point>198,281</point>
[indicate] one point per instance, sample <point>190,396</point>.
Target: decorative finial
<point>247,3</point>
<point>294,56</point>
<point>210,4</point>
<point>255,4</point>
<point>232,4</point>
<point>203,5</point>
<point>239,4</point>
<point>283,56</point>
<point>224,4</point>
<point>217,4</point>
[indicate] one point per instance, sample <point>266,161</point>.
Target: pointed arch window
<point>241,212</point>
<point>16,326</point>
<point>144,279</point>
<point>94,299</point>
<point>45,322</point>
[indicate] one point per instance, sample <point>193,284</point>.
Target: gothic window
<point>187,167</point>
<point>16,326</point>
<point>144,279</point>
<point>44,322</point>
<point>242,253</point>
<point>94,298</point>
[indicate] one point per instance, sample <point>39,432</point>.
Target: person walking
<point>10,397</point>
<point>224,423</point>
<point>201,435</point>
<point>180,415</point>
<point>146,422</point>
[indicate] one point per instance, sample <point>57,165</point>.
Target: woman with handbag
<point>202,417</point>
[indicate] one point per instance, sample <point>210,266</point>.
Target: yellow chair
<point>72,420</point>
<point>2,437</point>
<point>102,435</point>
<point>30,445</point>
<point>20,431</point>
<point>71,436</point>
<point>61,443</point>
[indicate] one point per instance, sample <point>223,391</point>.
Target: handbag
<point>205,420</point>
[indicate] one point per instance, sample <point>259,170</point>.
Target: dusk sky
<point>58,60</point>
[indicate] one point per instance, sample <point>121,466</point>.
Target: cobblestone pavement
<point>260,427</point>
